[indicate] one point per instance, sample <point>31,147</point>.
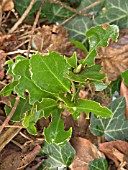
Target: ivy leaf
<point>48,72</point>
<point>47,105</point>
<point>6,91</point>
<point>125,76</point>
<point>79,45</point>
<point>55,133</point>
<point>97,37</point>
<point>22,107</point>
<point>30,120</point>
<point>114,128</point>
<point>88,106</point>
<point>98,164</point>
<point>21,6</point>
<point>91,73</point>
<point>72,61</point>
<point>55,12</point>
<point>114,12</point>
<point>59,157</point>
<point>26,84</point>
<point>78,25</point>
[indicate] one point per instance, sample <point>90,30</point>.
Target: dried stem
<point>10,115</point>
<point>22,17</point>
<point>33,29</point>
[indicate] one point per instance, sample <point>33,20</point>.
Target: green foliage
<point>49,84</point>
<point>114,128</point>
<point>114,12</point>
<point>21,6</point>
<point>59,157</point>
<point>98,164</point>
<point>125,76</point>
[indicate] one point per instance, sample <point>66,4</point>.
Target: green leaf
<point>59,157</point>
<point>26,84</point>
<point>22,107</point>
<point>47,105</point>
<point>21,6</point>
<point>88,106</point>
<point>30,120</point>
<point>91,73</point>
<point>97,37</point>
<point>125,76</point>
<point>114,128</point>
<point>79,24</point>
<point>98,164</point>
<point>6,91</point>
<point>79,45</point>
<point>72,61</point>
<point>114,12</point>
<point>55,133</point>
<point>100,86</point>
<point>55,12</point>
<point>48,72</point>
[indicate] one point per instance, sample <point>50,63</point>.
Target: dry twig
<point>22,17</point>
<point>10,115</point>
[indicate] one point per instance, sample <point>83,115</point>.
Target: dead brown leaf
<point>114,58</point>
<point>6,5</point>
<point>116,151</point>
<point>85,152</point>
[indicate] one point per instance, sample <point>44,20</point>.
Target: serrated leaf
<point>55,12</point>
<point>125,76</point>
<point>6,91</point>
<point>21,6</point>
<point>91,73</point>
<point>114,128</point>
<point>72,61</point>
<point>55,133</point>
<point>88,106</point>
<point>30,120</point>
<point>98,164</point>
<point>114,12</point>
<point>25,83</point>
<point>47,105</point>
<point>22,107</point>
<point>78,25</point>
<point>59,157</point>
<point>48,72</point>
<point>97,37</point>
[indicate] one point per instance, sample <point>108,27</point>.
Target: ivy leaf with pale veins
<point>47,105</point>
<point>114,128</point>
<point>55,133</point>
<point>88,106</point>
<point>55,12</point>
<point>79,24</point>
<point>48,72</point>
<point>59,157</point>
<point>114,12</point>
<point>26,84</point>
<point>98,36</point>
<point>98,164</point>
<point>22,107</point>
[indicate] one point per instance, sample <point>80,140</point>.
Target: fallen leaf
<point>6,5</point>
<point>116,151</point>
<point>2,61</point>
<point>85,152</point>
<point>114,58</point>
